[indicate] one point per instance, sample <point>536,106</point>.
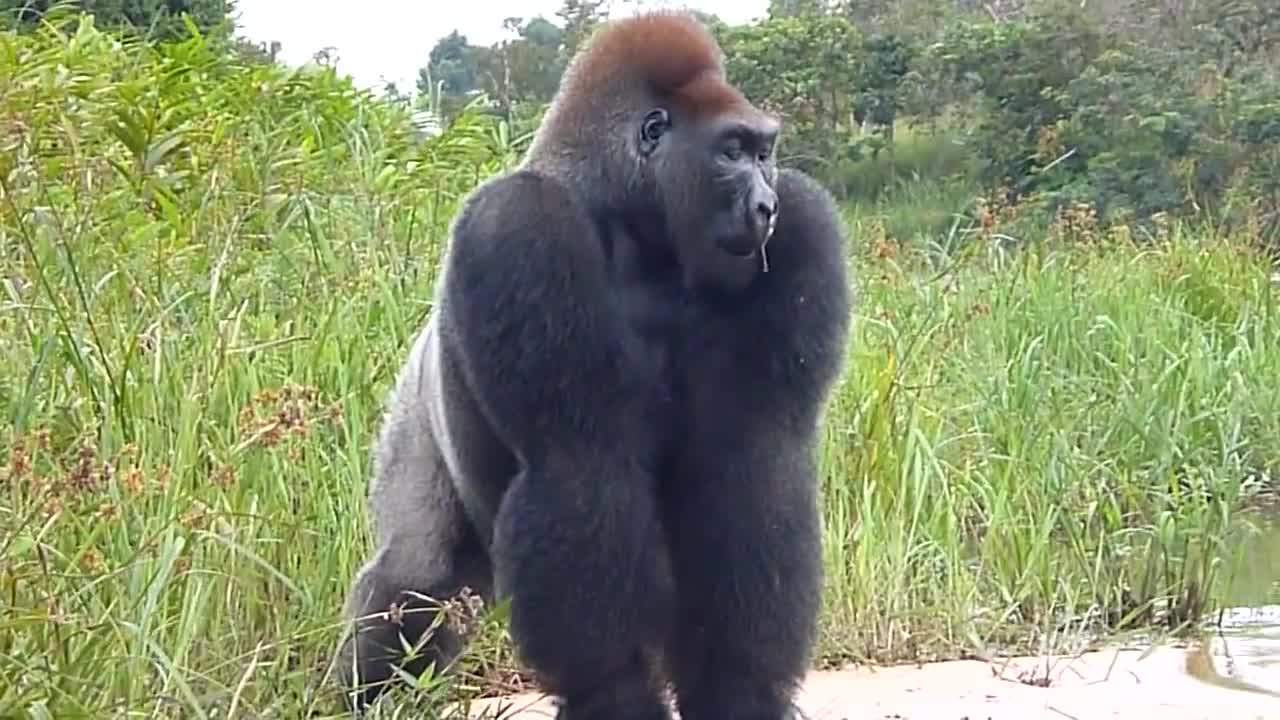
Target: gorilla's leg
<point>581,555</point>
<point>426,547</point>
<point>571,388</point>
<point>747,558</point>
<point>418,573</point>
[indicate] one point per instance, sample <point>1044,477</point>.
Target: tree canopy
<point>157,19</point>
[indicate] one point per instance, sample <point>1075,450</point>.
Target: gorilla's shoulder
<point>800,192</point>
<point>524,182</point>
<point>517,202</point>
<point>808,214</point>
<point>522,220</point>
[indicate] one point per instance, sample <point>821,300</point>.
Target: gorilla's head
<point>646,124</point>
<point>714,175</point>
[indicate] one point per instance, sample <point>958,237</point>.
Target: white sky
<point>379,40</point>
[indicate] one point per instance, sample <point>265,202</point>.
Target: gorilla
<point>610,416</point>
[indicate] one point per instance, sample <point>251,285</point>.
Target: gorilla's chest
<point>655,318</point>
<point>658,315</point>
<point>653,315</point>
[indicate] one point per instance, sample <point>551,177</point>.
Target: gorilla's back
<point>433,408</point>
<point>480,464</point>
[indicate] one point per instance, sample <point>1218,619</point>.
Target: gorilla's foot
<point>656,710</point>
<point>629,698</point>
<point>746,701</point>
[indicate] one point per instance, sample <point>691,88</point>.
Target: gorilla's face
<point>740,191</point>
<point>715,180</point>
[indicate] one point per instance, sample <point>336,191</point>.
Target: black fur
<point>616,430</point>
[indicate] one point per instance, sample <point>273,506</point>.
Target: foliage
<point>797,8</point>
<point>211,265</point>
<point>208,265</point>
<point>886,61</point>
<point>1179,150</point>
<point>580,18</point>
<point>1074,111</point>
<point>1014,67</point>
<point>814,96</point>
<point>158,19</point>
<point>451,66</point>
<point>513,73</point>
<point>526,70</point>
<point>1058,439</point>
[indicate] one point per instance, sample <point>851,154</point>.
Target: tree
<point>23,12</point>
<point>523,70</point>
<point>160,20</point>
<point>534,60</point>
<point>255,52</point>
<point>885,62</point>
<point>796,8</point>
<point>542,32</point>
<point>804,68</point>
<point>452,63</point>
<point>580,18</point>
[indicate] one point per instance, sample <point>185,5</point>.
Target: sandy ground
<point>1129,684</point>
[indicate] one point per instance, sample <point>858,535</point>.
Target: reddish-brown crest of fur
<point>671,52</point>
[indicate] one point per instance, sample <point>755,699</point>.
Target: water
<point>1243,644</point>
<point>1255,577</point>
<point>1244,651</point>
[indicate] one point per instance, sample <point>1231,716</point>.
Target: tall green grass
<point>1061,438</point>
<point>920,191</point>
<point>916,155</point>
<point>211,270</point>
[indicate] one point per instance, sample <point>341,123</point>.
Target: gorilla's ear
<point>652,128</point>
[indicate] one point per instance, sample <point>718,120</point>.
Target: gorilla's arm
<point>747,529</point>
<point>803,305</point>
<point>531,311</point>
<point>562,380</point>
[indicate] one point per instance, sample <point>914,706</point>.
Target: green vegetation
<point>162,20</point>
<point>1053,438</point>
<point>1132,112</point>
<point>1054,421</point>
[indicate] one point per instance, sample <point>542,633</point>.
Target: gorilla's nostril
<point>764,209</point>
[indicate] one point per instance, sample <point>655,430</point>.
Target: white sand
<point>1104,684</point>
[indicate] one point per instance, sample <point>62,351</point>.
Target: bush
<point>1075,112</point>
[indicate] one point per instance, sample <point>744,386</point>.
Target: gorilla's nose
<point>765,209</point>
<point>765,212</point>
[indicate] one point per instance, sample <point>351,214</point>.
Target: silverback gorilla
<point>611,415</point>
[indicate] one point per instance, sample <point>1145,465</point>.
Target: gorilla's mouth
<point>740,247</point>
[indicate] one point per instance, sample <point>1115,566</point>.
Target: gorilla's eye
<point>733,149</point>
